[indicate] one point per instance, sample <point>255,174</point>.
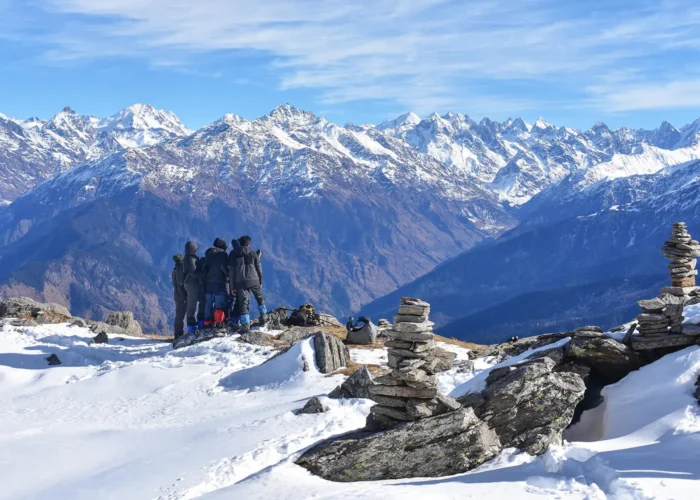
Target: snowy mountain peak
<point>541,123</point>
<point>404,121</point>
<point>142,125</point>
<point>516,126</point>
<point>287,116</point>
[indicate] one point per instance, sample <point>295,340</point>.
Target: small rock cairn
<point>663,315</point>
<point>410,391</point>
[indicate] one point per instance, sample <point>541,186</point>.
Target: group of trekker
<point>214,289</point>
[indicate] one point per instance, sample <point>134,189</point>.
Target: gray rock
<point>331,353</point>
<point>416,378</point>
<point>463,366</point>
<point>329,320</point>
<point>609,359</point>
<point>588,329</point>
<point>399,391</point>
<point>691,330</point>
<point>678,291</point>
<point>405,353</point>
<point>391,412</point>
<point>664,340</point>
<point>441,358</point>
<point>314,405</point>
<point>256,337</point>
<point>413,301</point>
<point>407,318</point>
<point>124,320</point>
<point>414,310</point>
<point>426,326</point>
<point>53,360</point>
<point>100,327</point>
<point>25,308</point>
<point>389,401</point>
<point>100,338</point>
<point>528,404</point>
<point>80,322</point>
<point>409,336</point>
<point>297,333</point>
<point>432,447</point>
<point>356,386</point>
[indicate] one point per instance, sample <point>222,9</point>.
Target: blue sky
<point>574,62</point>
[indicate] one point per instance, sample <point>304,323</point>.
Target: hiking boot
<point>245,328</point>
<point>191,328</point>
<point>262,321</point>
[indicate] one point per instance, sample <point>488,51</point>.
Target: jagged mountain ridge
<point>343,215</point>
<point>34,150</point>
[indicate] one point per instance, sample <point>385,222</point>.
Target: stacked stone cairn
<point>410,391</point>
<point>663,315</point>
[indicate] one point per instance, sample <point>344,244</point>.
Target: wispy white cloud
<point>424,54</point>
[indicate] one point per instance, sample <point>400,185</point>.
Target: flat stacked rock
<point>410,391</point>
<point>682,250</point>
<point>663,315</point>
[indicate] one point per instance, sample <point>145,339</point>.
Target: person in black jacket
<point>179,295</point>
<point>234,319</point>
<point>245,273</point>
<point>215,274</point>
<point>193,284</point>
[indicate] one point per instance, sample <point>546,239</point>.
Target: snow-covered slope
<point>134,419</point>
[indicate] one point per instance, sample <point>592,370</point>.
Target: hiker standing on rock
<point>179,295</point>
<point>215,274</point>
<point>245,273</point>
<point>234,319</point>
<point>193,285</point>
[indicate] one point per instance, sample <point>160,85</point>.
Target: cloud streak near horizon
<point>482,55</point>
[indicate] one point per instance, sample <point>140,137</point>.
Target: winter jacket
<point>215,268</point>
<point>244,268</point>
<point>178,279</point>
<point>191,264</point>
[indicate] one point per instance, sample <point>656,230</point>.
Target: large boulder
<point>432,447</point>
<point>356,386</point>
<point>331,353</point>
<point>608,359</point>
<point>314,405</point>
<point>256,337</point>
<point>124,320</point>
<point>297,333</point>
<point>528,404</point>
<point>24,308</point>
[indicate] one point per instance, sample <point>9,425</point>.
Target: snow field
<point>135,419</point>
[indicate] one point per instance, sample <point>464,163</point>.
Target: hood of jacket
<point>191,248</point>
<point>219,243</point>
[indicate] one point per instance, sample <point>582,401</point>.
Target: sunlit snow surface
<point>135,419</point>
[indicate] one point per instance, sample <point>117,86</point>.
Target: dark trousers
<point>215,299</point>
<point>243,302</point>
<point>180,310</point>
<point>193,296</point>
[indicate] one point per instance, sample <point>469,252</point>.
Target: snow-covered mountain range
<point>345,214</point>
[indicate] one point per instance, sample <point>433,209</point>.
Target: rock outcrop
<point>331,353</point>
<point>437,446</point>
<point>528,404</point>
<point>23,311</point>
<point>355,386</point>
<point>125,321</point>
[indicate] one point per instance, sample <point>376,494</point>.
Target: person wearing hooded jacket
<point>215,274</point>
<point>191,268</point>
<point>179,295</point>
<point>245,274</point>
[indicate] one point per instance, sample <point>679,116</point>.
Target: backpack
<point>304,316</point>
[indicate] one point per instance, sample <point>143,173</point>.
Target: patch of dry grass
<point>352,367</point>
